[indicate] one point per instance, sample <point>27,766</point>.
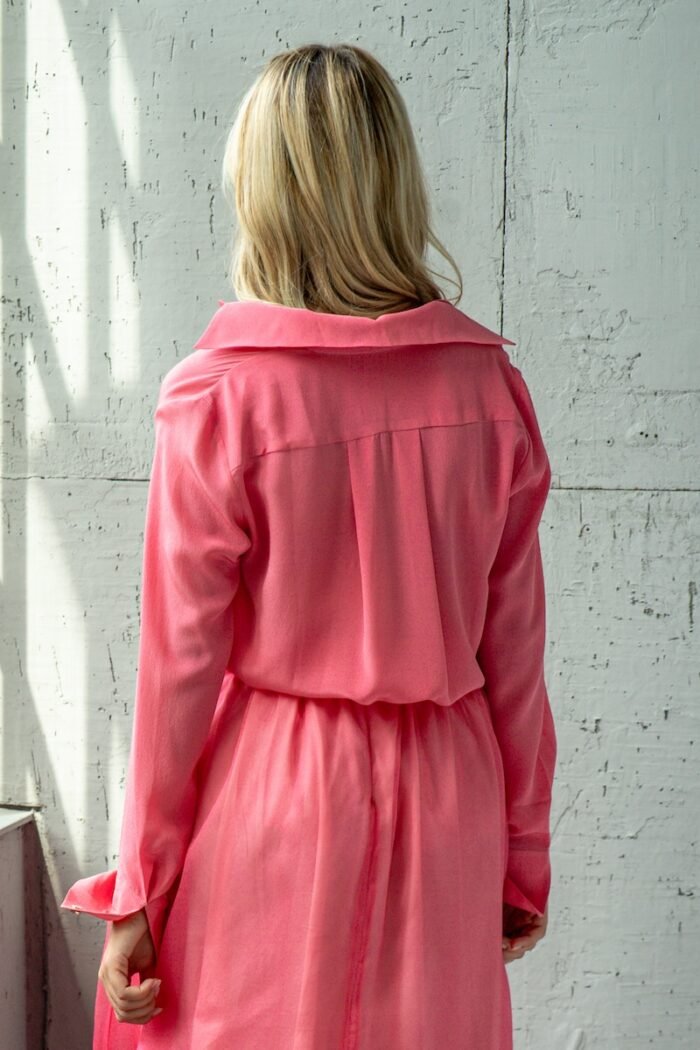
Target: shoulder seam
<point>209,392</point>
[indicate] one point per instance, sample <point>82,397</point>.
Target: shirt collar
<point>254,324</point>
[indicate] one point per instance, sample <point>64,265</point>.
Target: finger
<point>114,977</point>
<point>510,954</point>
<point>141,1017</point>
<point>127,997</point>
<point>136,992</point>
<point>132,1004</point>
<point>515,948</point>
<point>129,1009</point>
<point>527,941</point>
<point>518,950</point>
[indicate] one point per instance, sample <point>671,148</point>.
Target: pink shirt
<point>338,507</point>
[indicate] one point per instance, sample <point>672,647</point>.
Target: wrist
<point>134,919</point>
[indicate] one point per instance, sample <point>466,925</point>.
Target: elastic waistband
<point>239,688</point>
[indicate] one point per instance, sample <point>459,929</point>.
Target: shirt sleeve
<point>511,655</point>
<point>195,534</point>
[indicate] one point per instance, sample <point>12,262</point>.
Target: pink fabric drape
<point>342,736</point>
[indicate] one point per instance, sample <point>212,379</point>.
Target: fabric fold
<point>195,535</point>
<point>106,897</point>
<point>353,537</point>
<point>528,879</point>
<point>511,654</point>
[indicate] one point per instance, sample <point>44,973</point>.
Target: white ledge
<point>13,818</point>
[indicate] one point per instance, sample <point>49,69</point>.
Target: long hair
<point>322,170</point>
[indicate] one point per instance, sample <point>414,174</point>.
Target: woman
<point>335,830</point>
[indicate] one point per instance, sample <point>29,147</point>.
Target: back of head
<point>322,169</point>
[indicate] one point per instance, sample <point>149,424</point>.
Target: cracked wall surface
<point>560,144</point>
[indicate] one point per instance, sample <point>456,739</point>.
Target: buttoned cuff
<point>101,896</point>
<point>528,879</point>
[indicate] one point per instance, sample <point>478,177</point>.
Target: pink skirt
<point>343,886</point>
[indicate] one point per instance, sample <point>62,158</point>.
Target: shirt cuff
<point>528,879</point>
<point>98,895</point>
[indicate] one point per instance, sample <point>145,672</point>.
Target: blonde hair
<point>322,170</point>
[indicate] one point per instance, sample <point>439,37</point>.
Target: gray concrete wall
<point>561,143</point>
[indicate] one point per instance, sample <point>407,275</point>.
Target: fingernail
<point>157,986</point>
<point>159,1010</point>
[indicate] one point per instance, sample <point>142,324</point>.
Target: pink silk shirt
<point>338,507</point>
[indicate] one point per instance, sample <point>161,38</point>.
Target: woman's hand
<point>521,931</point>
<point>130,950</point>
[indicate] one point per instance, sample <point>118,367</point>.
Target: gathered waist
<point>240,687</point>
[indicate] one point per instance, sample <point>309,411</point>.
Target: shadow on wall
<point>64,1020</point>
<point>28,911</point>
<point>72,276</point>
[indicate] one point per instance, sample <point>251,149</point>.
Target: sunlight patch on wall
<point>123,308</point>
<point>123,100</point>
<point>57,191</point>
<point>123,286</point>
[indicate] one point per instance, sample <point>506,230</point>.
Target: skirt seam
<point>360,930</point>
